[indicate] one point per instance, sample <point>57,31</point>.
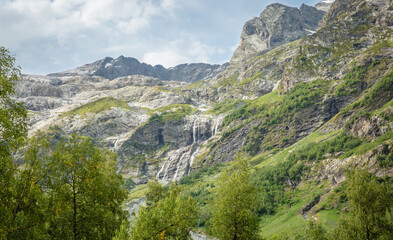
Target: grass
<point>286,223</point>
<point>229,81</point>
<point>195,85</point>
<point>225,106</point>
<point>329,218</point>
<point>250,79</point>
<point>251,108</point>
<point>269,158</point>
<point>98,106</point>
<point>362,149</point>
<point>137,192</point>
<point>173,112</point>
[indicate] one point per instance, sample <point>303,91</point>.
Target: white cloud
<point>185,49</point>
<point>166,58</point>
<point>63,18</point>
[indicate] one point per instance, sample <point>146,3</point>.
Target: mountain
<point>125,66</point>
<point>278,24</point>
<point>302,106</point>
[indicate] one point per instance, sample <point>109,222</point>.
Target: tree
<point>168,215</point>
<point>315,230</point>
<point>369,203</point>
<point>233,215</point>
<point>13,130</point>
<point>85,192</point>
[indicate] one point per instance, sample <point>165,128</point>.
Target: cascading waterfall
<point>215,126</point>
<point>166,165</point>
<point>179,157</point>
<point>177,167</point>
<point>192,159</point>
<point>115,145</point>
<point>169,164</point>
<point>195,131</point>
<point>159,172</point>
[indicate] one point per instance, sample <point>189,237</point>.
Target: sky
<point>48,36</point>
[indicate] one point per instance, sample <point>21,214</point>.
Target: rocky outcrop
<point>125,66</point>
<point>369,127</point>
<point>174,146</point>
<point>278,24</point>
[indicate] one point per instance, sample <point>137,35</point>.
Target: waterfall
<point>115,145</point>
<point>177,167</point>
<point>166,170</point>
<point>195,132</point>
<point>192,159</point>
<point>215,126</point>
<point>173,157</point>
<point>159,172</point>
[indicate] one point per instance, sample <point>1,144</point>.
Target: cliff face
<point>283,84</point>
<point>277,25</point>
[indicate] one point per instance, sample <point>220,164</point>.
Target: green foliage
<point>226,106</point>
<point>168,215</point>
<point>13,116</point>
<point>22,214</point>
<point>379,46</point>
<point>233,215</point>
<point>254,109</point>
<point>369,203</point>
<point>129,184</point>
<point>352,81</point>
<point>84,190</point>
<point>250,79</point>
<point>367,146</point>
<point>196,176</point>
<point>194,85</point>
<point>385,158</point>
<point>381,93</point>
<point>171,113</point>
<point>301,96</point>
<point>123,233</point>
<point>315,231</point>
<point>67,191</point>
<point>14,182</point>
<point>273,111</point>
<point>272,181</point>
<point>319,151</point>
<point>229,81</point>
<point>155,192</point>
<point>97,106</point>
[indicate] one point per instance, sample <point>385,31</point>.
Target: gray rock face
<point>277,25</point>
<point>124,66</point>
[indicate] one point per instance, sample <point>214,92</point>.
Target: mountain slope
<point>303,112</point>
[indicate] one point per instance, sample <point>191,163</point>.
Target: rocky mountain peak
<point>110,68</point>
<point>277,24</point>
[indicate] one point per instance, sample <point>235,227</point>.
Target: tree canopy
<point>167,214</point>
<point>233,215</point>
